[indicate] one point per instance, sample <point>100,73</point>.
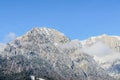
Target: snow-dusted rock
<point>106,51</point>
<point>49,54</point>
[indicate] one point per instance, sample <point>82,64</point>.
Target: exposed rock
<point>48,54</point>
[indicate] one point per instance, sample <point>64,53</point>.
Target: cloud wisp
<point>101,52</point>
<point>11,36</point>
<point>98,49</point>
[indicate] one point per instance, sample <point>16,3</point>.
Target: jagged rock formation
<point>48,54</point>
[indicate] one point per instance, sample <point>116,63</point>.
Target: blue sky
<point>75,18</point>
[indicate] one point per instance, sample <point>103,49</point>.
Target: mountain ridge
<point>106,51</point>
<point>49,54</point>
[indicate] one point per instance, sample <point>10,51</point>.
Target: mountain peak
<point>45,30</point>
<point>104,35</point>
<point>42,36</point>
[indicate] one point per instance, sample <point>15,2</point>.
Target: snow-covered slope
<point>106,51</point>
<point>48,54</point>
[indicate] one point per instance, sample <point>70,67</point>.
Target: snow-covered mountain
<point>112,41</point>
<point>106,51</point>
<point>47,53</point>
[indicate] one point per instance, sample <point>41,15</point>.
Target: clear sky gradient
<point>75,18</point>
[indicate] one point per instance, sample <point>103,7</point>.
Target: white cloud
<point>11,36</point>
<point>2,45</point>
<point>70,45</point>
<point>98,49</point>
<point>101,52</point>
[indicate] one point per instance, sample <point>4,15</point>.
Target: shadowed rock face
<point>48,54</point>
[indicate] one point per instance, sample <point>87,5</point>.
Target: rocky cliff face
<point>48,54</point>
